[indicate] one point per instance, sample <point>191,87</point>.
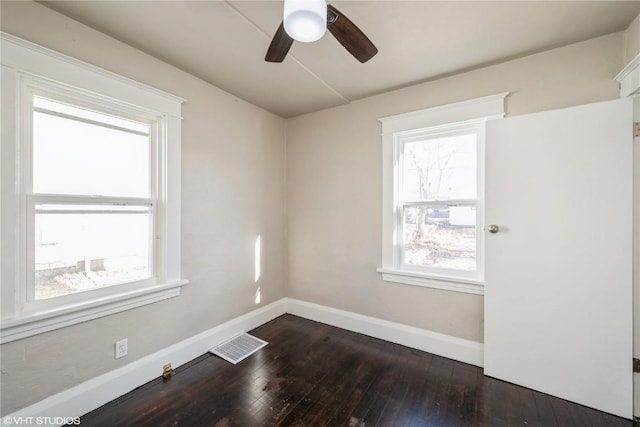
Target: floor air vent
<point>238,348</point>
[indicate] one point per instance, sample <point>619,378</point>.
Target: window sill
<point>29,324</point>
<point>431,281</point>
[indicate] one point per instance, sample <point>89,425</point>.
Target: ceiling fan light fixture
<point>305,20</point>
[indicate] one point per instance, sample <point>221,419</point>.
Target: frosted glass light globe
<point>305,20</point>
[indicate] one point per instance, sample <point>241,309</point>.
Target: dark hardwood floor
<point>312,374</point>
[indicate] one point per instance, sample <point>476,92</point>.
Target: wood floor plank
<point>527,408</point>
<point>364,375</point>
<point>397,393</point>
<point>319,396</point>
<point>383,387</point>
<point>433,405</point>
<point>508,412</point>
<point>483,400</point>
<point>333,392</point>
<point>563,416</point>
<point>544,409</point>
<point>313,374</point>
<point>461,395</point>
<point>419,363</point>
<point>385,368</point>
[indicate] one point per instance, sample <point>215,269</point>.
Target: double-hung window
<point>439,206</point>
<point>90,192</point>
<point>91,196</point>
<point>433,167</point>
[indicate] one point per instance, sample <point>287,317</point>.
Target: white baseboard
<point>459,349</point>
<point>92,394</point>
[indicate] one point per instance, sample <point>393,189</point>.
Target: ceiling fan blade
<point>280,45</point>
<point>350,36</point>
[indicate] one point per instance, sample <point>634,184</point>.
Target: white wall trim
<point>455,348</point>
<point>629,78</point>
<point>477,108</point>
<point>92,394</point>
<point>25,55</point>
<point>432,281</point>
<point>471,115</point>
<point>33,324</point>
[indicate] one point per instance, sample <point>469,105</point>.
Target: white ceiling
<point>224,42</point>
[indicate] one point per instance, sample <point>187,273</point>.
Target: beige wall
<point>334,182</point>
<point>232,191</point>
<point>632,41</point>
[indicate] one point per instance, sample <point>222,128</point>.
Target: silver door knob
<point>493,228</point>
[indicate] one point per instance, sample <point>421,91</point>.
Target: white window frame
<point>457,118</point>
<point>475,127</point>
<point>28,70</point>
<point>30,87</point>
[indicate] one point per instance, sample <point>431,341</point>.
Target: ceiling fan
<point>307,21</point>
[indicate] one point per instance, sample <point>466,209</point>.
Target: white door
<point>558,294</point>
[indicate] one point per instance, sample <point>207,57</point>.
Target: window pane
<point>78,248</point>
<point>442,237</point>
<point>440,169</point>
<point>77,151</point>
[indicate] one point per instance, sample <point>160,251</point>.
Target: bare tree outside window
<point>439,224</point>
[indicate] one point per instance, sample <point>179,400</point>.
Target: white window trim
<point>23,60</point>
<point>485,108</point>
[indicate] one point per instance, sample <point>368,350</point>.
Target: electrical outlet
<point>121,348</point>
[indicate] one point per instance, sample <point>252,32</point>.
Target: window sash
<point>427,136</point>
<point>82,100</point>
<point>399,140</point>
<point>25,286</point>
<point>400,239</point>
<point>29,303</point>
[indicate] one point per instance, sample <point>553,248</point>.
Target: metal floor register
<point>238,348</point>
